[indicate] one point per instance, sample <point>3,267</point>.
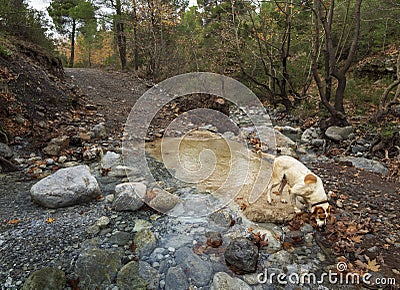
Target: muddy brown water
<point>224,168</point>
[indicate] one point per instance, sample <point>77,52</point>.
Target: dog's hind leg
<point>282,185</point>
<point>269,190</point>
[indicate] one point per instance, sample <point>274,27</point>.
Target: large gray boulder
<point>66,187</point>
<point>198,270</point>
<point>366,164</point>
<point>339,133</point>
<point>176,279</point>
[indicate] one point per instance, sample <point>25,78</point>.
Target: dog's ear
<point>329,209</point>
<point>310,178</point>
<point>317,211</point>
<point>314,213</point>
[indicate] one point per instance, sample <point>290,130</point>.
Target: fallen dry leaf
<point>373,266</point>
<point>50,220</point>
<point>14,222</point>
<point>199,250</point>
<point>214,243</point>
<point>287,246</point>
<point>356,239</point>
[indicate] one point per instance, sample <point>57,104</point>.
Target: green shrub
<point>4,52</point>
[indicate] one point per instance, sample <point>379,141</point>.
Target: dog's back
<point>291,168</point>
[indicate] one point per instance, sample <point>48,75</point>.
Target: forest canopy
<point>286,51</point>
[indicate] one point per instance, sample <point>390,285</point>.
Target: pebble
<point>103,221</point>
<point>94,229</point>
<point>141,224</point>
<point>62,159</point>
<point>109,198</point>
<point>321,257</point>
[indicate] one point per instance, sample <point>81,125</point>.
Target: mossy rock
<point>128,277</point>
<point>45,279</point>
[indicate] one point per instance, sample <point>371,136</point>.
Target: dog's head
<point>321,213</point>
<point>320,210</point>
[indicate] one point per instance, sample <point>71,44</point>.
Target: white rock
<point>310,134</point>
<point>164,201</point>
<point>62,159</point>
<point>222,281</point>
<point>110,159</point>
<point>109,198</point>
<point>68,186</point>
<point>288,129</point>
<point>103,221</point>
<point>129,196</point>
<point>122,171</point>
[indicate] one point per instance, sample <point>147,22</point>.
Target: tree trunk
<point>119,30</point>
<point>89,56</point>
<point>72,56</point>
<point>135,38</point>
<point>384,103</point>
<point>339,96</point>
<point>324,17</point>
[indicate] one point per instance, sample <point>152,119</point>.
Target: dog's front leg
<point>293,200</point>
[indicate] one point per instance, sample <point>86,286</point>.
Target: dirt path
<point>113,93</point>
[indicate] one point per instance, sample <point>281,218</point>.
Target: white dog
<point>302,183</point>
